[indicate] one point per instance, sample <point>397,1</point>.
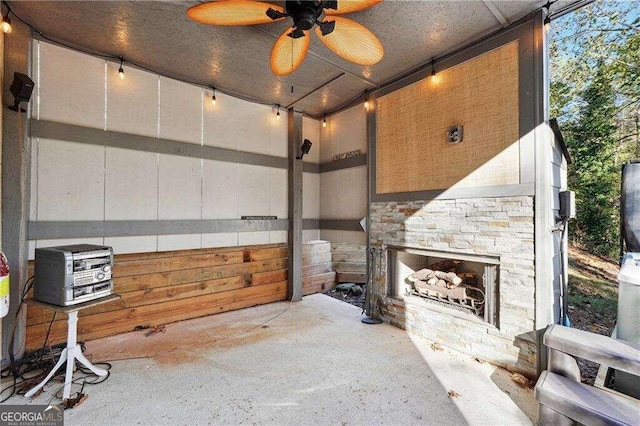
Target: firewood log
<point>445,265</point>
<point>458,293</point>
<point>421,275</point>
<point>453,278</point>
<point>432,281</point>
<point>441,283</point>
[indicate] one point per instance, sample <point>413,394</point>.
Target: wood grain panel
<point>159,288</point>
<point>482,95</point>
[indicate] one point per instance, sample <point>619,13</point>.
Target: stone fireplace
<point>491,239</point>
<point>475,294</point>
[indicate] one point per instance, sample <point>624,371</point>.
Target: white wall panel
<point>328,195</point>
<point>253,122</point>
<point>351,197</point>
<point>71,87</point>
<point>132,102</point>
<point>179,188</point>
<point>179,242</point>
<point>222,239</point>
<point>310,235</point>
<point>311,195</point>
<point>352,129</point>
<point>220,190</point>
<point>254,190</point>
<point>131,187</point>
<point>138,244</point>
<point>33,200</point>
<point>180,111</point>
<point>220,123</point>
<point>32,249</point>
<point>279,237</point>
<point>278,134</point>
<point>311,131</point>
<point>347,237</point>
<point>278,193</point>
<point>250,238</point>
<point>70,181</point>
<point>329,139</point>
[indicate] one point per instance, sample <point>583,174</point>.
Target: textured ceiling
<point>158,35</point>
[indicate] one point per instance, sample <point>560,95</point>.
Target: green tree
<point>595,95</point>
<point>592,142</point>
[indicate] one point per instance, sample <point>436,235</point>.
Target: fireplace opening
<point>464,282</point>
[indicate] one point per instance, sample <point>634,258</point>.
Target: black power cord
<point>35,365</point>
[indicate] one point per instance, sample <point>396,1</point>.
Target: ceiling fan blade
<point>348,6</point>
<point>288,53</point>
<point>233,12</point>
<point>352,42</point>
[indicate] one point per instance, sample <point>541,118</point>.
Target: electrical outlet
<point>454,135</point>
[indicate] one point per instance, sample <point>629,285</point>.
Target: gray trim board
<point>345,163</point>
<point>369,303</point>
<point>444,194</point>
<point>91,136</point>
<point>310,167</point>
<point>294,138</point>
<point>331,166</point>
<point>553,123</point>
<point>46,230</point>
<point>341,224</point>
<point>310,223</point>
<point>543,205</point>
<point>15,181</point>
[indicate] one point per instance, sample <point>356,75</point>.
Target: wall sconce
<point>304,149</point>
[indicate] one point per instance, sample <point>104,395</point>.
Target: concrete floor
<point>311,362</point>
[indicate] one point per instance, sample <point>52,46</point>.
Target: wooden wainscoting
<point>164,287</point>
<point>349,262</point>
<point>317,274</point>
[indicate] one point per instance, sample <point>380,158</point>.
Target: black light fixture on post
<point>304,149</point>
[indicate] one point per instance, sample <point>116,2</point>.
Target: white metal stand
<point>73,351</point>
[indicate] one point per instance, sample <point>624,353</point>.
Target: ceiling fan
<point>346,38</point>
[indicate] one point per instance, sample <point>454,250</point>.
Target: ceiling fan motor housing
<point>304,13</point>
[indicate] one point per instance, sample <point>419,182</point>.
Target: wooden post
<point>294,288</point>
<point>16,175</point>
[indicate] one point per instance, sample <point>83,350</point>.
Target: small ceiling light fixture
<point>434,77</point>
<point>278,113</point>
<point>324,121</point>
<point>213,97</point>
<point>547,18</point>
<point>6,21</point>
<point>367,105</point>
<point>121,70</point>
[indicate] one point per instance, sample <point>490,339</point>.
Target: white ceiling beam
<point>494,10</point>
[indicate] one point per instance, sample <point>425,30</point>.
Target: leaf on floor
<point>521,380</point>
<point>453,394</point>
<point>437,347</point>
<point>478,360</point>
<point>155,330</point>
<point>74,402</point>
